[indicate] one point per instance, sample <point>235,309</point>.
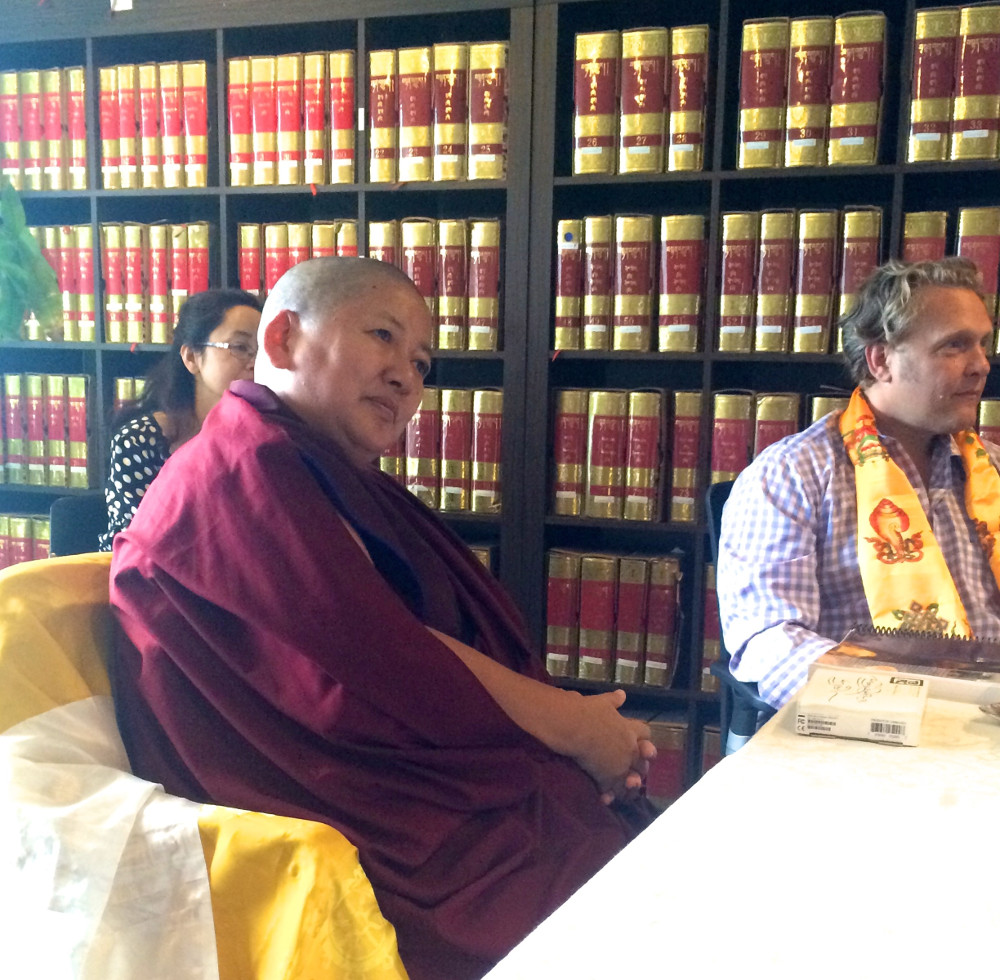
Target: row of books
<point>154,125</point>
<point>634,455</point>
<point>23,537</point>
<point>454,263</point>
<point>784,274</point>
<point>148,272</point>
<point>43,129</point>
<point>612,617</point>
<point>811,90</point>
<point>69,250</point>
<point>435,113</point>
<point>449,454</point>
<point>45,430</point>
<point>639,100</point>
<point>955,92</point>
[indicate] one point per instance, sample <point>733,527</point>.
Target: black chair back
<point>76,522</point>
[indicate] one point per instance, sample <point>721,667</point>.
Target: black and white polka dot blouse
<point>138,451</point>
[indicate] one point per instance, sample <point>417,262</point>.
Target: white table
<point>841,859</point>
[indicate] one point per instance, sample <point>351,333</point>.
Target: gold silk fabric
<point>283,899</point>
<point>906,580</point>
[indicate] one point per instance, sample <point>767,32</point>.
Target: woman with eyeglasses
<point>215,343</point>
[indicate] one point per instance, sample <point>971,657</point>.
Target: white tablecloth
<point>802,857</point>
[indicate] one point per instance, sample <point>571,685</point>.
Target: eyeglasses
<point>242,352</point>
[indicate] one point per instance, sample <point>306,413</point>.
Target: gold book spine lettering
<point>569,451</point>
<point>632,312</point>
<point>452,279</point>
<point>416,146</point>
<point>595,92</point>
<point>598,231</point>
<point>682,261</point>
<point>736,300</point>
<point>607,419</point>
<point>127,88</point>
<point>817,242</point>
<point>451,111</point>
<point>856,90</point>
<point>644,82</point>
<point>975,126</point>
<point>809,66</point>
<point>775,287</point>
<point>643,460</point>
<point>383,135</point>
<point>763,73</point>
<point>935,46</point>
<point>484,284</point>
<point>688,83</point>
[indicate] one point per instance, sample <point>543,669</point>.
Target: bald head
<point>317,288</point>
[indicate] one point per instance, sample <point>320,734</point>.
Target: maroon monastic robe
<point>268,664</point>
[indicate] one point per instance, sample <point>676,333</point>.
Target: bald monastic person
<point>300,635</point>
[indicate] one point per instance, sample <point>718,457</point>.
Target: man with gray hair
<point>885,514</point>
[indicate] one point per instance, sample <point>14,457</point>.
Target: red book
<point>171,125</point>
<point>133,275</point>
<point>56,449</point>
<point>264,115</point>
<point>54,145</point>
<point>39,538</point>
<point>688,81</point>
<point>314,139</point>
<point>732,435</point>
<point>288,114</point>
<point>451,111</point>
<point>569,451</point>
<point>456,449</point>
<point>10,129</point>
<point>393,460</point>
<point>596,63</point>
<point>275,254</point>
<point>158,286</point>
<point>19,543</point>
<point>633,282</point>
<point>150,139</point>
<point>814,281</point>
<point>562,613</point>
<point>662,603</point>
<point>180,278</point>
<point>110,129</point>
<point>685,437</point>
<point>194,112</point>
<point>197,257</point>
<point>607,427</point>
<point>76,127</point>
<point>775,264</point>
<point>569,285</point>
<point>66,277</point>
<point>419,241</point>
<point>415,114</point>
<point>484,284</point>
<point>763,74</point>
<point>240,124</point>
<point>856,87</point>
<point>860,246</point>
<point>487,110</point>
<point>342,116</point>
<point>299,242</point>
<point>32,129</point>
<point>113,271</point>
<point>739,260</point>
<point>423,449</point>
<point>5,561</point>
<point>34,429</point>
<point>248,259</point>
<point>643,456</point>
<point>77,431</point>
<point>452,283</point>
<point>86,289</point>
<point>630,620</point>
<point>598,585</point>
<point>666,779</point>
<point>128,125</point>
<point>487,439</point>
<point>681,278</point>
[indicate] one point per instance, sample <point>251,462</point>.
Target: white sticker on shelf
<point>640,149</point>
<point>975,134</point>
<point>851,141</point>
<point>805,142</point>
<point>682,147</point>
<point>679,327</point>
<point>932,137</point>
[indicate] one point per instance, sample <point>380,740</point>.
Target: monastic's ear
<point>190,358</point>
<point>877,358</point>
<point>278,338</point>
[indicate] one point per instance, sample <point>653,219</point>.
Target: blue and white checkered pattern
<point>788,581</point>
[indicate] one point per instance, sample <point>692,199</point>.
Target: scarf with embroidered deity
<point>905,577</point>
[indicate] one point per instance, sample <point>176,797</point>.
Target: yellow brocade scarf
<point>906,580</point>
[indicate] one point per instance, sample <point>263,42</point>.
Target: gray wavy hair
<point>884,308</point>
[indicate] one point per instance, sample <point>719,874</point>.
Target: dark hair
<point>885,305</point>
<point>169,385</point>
